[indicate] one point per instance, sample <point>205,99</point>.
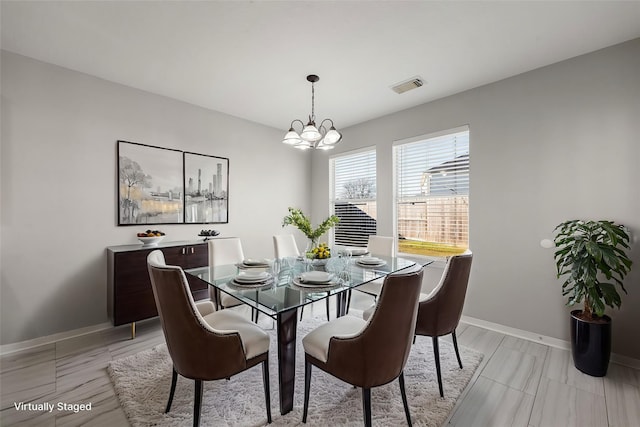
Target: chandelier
<point>311,136</point>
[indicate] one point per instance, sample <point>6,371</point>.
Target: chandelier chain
<point>313,102</point>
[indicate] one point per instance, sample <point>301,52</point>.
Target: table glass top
<point>286,291</point>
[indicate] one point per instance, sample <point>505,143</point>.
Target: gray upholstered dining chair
<point>284,246</point>
<point>439,312</point>
<point>369,353</point>
<point>204,344</point>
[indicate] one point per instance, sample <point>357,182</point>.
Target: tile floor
<point>519,383</point>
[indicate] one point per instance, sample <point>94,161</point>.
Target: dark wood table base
<point>287,325</point>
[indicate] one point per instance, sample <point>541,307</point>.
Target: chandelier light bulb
<point>332,137</point>
<point>310,133</point>
<point>292,137</point>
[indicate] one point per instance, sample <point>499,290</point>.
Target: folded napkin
<point>369,260</point>
<point>315,277</point>
<point>358,251</point>
<point>250,261</point>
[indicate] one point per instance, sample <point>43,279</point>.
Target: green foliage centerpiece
<point>302,223</point>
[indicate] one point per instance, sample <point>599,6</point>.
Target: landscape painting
<point>206,182</point>
<point>150,185</point>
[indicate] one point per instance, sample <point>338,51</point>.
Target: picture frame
<point>150,184</point>
<point>206,183</point>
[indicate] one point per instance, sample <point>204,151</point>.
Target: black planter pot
<point>591,344</point>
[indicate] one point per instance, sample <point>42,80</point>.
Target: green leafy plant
<point>591,256</point>
<point>301,221</point>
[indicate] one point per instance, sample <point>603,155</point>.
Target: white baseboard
<point>625,361</point>
<point>51,339</point>
<point>542,339</point>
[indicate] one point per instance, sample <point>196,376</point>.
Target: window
<point>432,193</point>
<point>353,197</point>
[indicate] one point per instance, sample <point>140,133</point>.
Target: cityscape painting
<point>206,182</point>
<point>150,185</point>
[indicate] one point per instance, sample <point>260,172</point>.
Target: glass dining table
<point>281,297</point>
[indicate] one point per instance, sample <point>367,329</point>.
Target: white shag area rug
<point>142,382</point>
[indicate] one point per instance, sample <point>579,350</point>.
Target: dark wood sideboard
<point>130,297</point>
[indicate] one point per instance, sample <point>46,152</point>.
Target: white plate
<point>251,285</point>
<point>370,262</point>
<point>316,277</point>
<point>252,276</point>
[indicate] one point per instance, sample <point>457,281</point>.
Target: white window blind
<point>353,197</point>
<point>432,194</point>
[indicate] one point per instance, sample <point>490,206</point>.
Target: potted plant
<point>591,257</point>
<point>302,222</point>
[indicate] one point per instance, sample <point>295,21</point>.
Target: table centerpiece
<point>315,250</point>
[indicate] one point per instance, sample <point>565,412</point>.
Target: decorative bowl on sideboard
<point>150,241</point>
<point>208,234</point>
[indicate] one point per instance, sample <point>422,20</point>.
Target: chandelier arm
<point>326,120</point>
<point>322,130</point>
<point>299,121</point>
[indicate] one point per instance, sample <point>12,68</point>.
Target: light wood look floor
<point>519,383</point>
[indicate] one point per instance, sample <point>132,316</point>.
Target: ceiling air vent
<point>412,83</point>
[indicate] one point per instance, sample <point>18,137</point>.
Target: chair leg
<point>197,403</point>
<point>327,300</point>
<point>455,346</point>
<point>366,406</point>
<point>414,338</point>
<point>174,380</point>
<point>267,391</point>
<point>348,301</point>
<point>404,399</point>
<point>436,354</point>
<point>301,312</point>
<point>307,387</point>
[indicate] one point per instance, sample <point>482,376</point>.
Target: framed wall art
<point>206,183</point>
<point>150,184</point>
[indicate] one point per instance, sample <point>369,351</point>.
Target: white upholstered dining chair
<point>222,252</point>
<point>284,246</point>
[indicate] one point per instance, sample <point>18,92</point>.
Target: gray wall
<point>553,144</point>
<point>59,133</point>
<point>556,143</point>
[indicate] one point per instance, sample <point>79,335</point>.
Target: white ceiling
<point>250,59</point>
